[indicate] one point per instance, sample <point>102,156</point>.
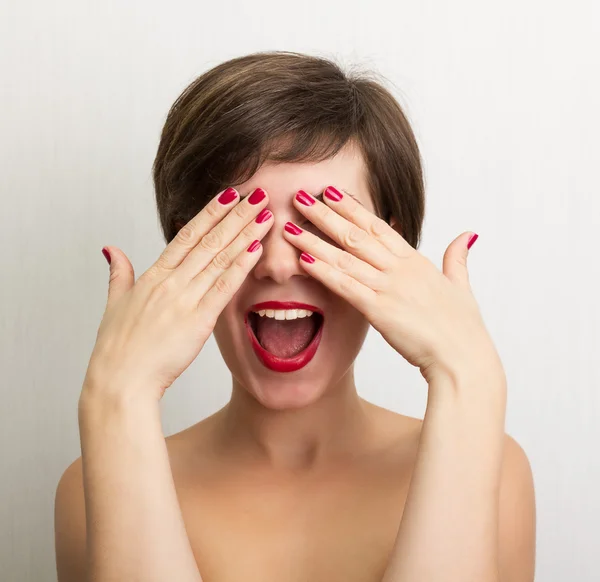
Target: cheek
<point>348,330</point>
<point>225,325</point>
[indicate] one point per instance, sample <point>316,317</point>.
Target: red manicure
<point>106,255</point>
<point>292,228</point>
<point>307,258</point>
<point>333,194</point>
<point>253,246</point>
<point>472,241</point>
<point>263,216</point>
<point>305,198</point>
<point>227,196</point>
<point>256,196</point>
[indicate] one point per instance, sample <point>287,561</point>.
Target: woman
<point>291,199</point>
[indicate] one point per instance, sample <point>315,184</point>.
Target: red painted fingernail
<point>256,196</point>
<point>305,198</point>
<point>333,194</point>
<point>227,196</point>
<point>253,246</point>
<point>292,228</point>
<point>106,254</point>
<point>307,258</point>
<point>263,216</point>
<point>472,241</point>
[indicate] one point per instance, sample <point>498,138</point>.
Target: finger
<point>349,236</point>
<point>225,287</point>
<point>339,259</point>
<point>213,245</point>
<point>352,210</point>
<point>454,265</point>
<point>357,294</point>
<point>224,260</point>
<point>190,235</point>
<point>121,277</point>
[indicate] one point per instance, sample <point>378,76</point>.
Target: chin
<point>287,395</point>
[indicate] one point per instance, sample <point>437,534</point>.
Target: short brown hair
<point>284,107</point>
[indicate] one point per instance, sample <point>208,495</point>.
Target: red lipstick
<point>272,361</point>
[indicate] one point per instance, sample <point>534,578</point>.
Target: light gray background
<point>504,100</point>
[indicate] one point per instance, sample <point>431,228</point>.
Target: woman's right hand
<point>153,329</point>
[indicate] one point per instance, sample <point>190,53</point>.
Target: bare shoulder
<point>69,525</point>
<point>517,506</point>
<point>517,524</point>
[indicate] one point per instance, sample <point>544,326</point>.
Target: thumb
<point>455,259</point>
<point>121,273</point>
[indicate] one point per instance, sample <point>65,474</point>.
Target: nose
<point>279,260</point>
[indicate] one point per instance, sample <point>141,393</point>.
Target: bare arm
<point>451,530</point>
<point>150,333</point>
<point>454,528</point>
<point>116,513</point>
<point>135,529</point>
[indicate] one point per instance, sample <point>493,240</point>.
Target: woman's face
<point>255,347</point>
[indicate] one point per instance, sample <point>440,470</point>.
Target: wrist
<point>103,400</point>
<point>464,369</point>
<point>477,405</point>
<point>482,381</point>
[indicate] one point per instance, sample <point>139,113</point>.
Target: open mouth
<point>284,336</point>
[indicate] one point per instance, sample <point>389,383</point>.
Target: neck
<point>334,426</point>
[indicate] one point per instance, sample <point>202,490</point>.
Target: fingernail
<point>253,246</point>
<point>305,198</point>
<point>228,196</point>
<point>333,194</point>
<point>472,241</point>
<point>106,255</point>
<point>307,258</point>
<point>292,228</point>
<point>256,196</point>
<point>263,216</point>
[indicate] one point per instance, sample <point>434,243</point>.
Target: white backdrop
<point>504,100</point>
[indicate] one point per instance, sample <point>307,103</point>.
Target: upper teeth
<point>284,313</point>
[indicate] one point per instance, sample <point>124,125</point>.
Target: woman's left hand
<point>430,317</point>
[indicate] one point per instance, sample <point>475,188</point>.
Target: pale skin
<point>298,478</point>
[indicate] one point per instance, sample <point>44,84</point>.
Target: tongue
<point>285,338</point>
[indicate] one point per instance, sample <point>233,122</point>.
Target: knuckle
<point>161,265</point>
<point>149,275</point>
<point>214,210</point>
<point>222,260</point>
<point>164,287</point>
<point>344,261</point>
<point>223,286</point>
<point>241,261</point>
<point>241,210</point>
<point>354,236</point>
<point>186,234</point>
<point>347,285</point>
<point>248,234</point>
<point>158,271</point>
<point>211,241</point>
<point>323,211</point>
<point>378,228</point>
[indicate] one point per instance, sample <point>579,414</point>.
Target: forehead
<point>346,171</point>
